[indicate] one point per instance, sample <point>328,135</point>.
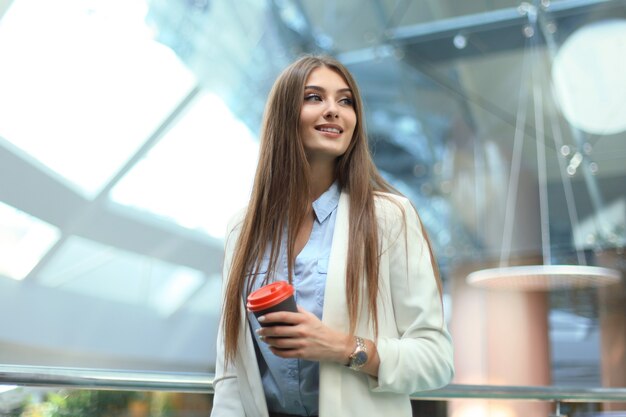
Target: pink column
<point>612,316</point>
<point>500,338</point>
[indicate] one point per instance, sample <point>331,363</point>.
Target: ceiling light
<point>460,41</point>
<point>588,76</point>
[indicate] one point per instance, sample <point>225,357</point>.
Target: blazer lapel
<point>335,312</point>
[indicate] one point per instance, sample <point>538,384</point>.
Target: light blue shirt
<point>292,385</point>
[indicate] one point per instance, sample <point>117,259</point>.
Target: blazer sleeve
<point>226,399</point>
<point>421,357</point>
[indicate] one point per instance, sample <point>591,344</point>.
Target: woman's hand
<point>304,337</point>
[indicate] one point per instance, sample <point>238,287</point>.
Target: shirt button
<point>292,373</point>
<point>296,403</point>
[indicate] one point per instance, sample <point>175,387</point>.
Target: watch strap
<point>359,356</point>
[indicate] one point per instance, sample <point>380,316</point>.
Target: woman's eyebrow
<point>321,89</point>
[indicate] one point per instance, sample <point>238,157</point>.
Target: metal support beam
<point>33,190</point>
<point>486,33</point>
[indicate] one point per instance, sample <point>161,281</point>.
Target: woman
<point>370,329</point>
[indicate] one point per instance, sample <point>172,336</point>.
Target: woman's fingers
<point>284,342</point>
<point>287,353</point>
<point>281,317</point>
<point>292,331</point>
<point>301,335</point>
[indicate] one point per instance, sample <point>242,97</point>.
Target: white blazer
<point>413,344</point>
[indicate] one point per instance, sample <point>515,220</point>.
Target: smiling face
<point>327,118</point>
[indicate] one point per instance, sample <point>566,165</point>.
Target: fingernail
<point>261,319</point>
<point>262,338</point>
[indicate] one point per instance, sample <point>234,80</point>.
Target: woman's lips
<point>330,130</point>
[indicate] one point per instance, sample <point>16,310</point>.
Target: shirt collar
<point>327,202</point>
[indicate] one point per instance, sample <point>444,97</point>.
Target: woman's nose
<point>331,114</point>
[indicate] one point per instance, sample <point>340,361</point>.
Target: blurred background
<point>129,135</point>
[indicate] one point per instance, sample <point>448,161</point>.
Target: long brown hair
<point>280,199</point>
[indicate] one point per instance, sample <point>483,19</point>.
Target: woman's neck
<point>322,175</point>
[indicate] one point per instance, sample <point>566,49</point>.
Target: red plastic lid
<point>269,295</point>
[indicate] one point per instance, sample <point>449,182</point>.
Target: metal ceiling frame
<point>488,32</point>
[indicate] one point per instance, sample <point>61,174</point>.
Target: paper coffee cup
<point>277,296</point>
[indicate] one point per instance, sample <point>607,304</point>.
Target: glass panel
<point>110,308</point>
<point>24,240</point>
<point>199,174</point>
<point>108,273</point>
<point>83,84</point>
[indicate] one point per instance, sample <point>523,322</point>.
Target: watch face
<point>360,358</point>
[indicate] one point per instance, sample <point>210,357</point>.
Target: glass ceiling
<point>131,127</point>
<point>24,239</point>
<point>98,98</point>
<point>107,273</point>
<point>85,85</point>
<point>199,174</point>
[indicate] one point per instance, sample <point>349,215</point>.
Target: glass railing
<point>50,391</point>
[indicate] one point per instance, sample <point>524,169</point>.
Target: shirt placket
<point>290,366</point>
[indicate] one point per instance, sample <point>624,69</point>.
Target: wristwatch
<point>359,356</point>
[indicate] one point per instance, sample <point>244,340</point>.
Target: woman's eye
<point>312,97</point>
<point>347,101</point>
